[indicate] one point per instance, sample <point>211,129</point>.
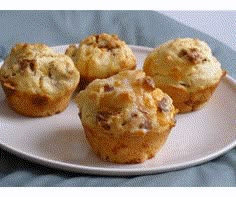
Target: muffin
<point>101,56</point>
<point>186,70</point>
<point>125,118</point>
<point>37,81</point>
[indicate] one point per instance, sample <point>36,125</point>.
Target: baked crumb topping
<point>105,42</point>
<point>36,68</point>
<point>132,105</point>
<point>164,105</point>
<point>193,55</point>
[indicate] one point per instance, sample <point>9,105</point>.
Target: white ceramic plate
<point>59,141</point>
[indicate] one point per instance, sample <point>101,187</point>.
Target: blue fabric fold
<point>144,28</point>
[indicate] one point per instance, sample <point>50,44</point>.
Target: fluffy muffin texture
<point>100,56</point>
<point>186,70</point>
<point>125,118</point>
<point>37,81</point>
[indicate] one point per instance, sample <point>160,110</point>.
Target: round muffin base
<point>36,105</point>
<point>128,148</point>
<point>186,101</point>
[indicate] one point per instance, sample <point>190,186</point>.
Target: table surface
<point>144,28</point>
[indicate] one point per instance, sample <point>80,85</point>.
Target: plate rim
<point>54,164</point>
<point>59,165</point>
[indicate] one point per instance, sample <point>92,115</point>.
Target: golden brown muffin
<point>186,70</point>
<point>101,56</point>
<point>37,81</point>
<point>125,118</point>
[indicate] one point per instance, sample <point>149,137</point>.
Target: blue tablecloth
<point>144,28</point>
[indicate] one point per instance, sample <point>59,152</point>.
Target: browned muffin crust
<point>126,119</point>
<point>37,81</point>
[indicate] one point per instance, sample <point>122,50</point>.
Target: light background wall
<point>219,24</point>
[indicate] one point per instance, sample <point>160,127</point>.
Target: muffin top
<point>184,62</point>
<point>37,69</point>
<point>125,102</point>
<point>101,55</point>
